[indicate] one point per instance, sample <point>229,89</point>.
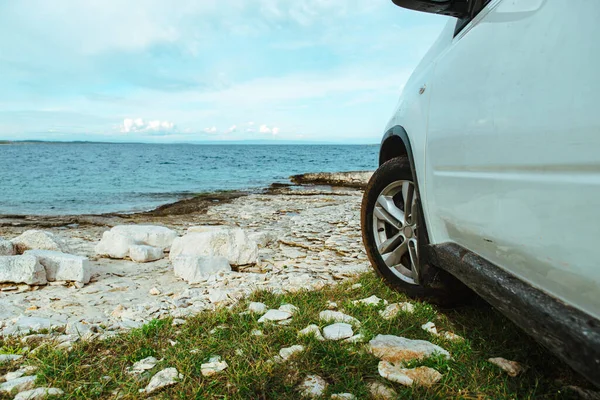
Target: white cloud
<point>233,128</point>
<point>154,126</point>
<point>265,129</point>
<point>212,129</point>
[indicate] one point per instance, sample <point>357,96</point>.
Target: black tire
<point>434,284</point>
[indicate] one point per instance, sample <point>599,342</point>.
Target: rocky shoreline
<point>307,237</point>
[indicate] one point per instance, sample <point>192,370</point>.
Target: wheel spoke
<point>394,257</point>
<point>389,212</point>
<point>408,191</point>
<point>414,259</point>
<point>391,243</point>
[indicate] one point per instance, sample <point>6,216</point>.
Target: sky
<point>197,70</point>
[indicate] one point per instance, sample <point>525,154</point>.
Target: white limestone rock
<point>343,396</point>
<point>287,352</point>
<point>231,243</point>
<point>292,309</point>
<point>393,309</point>
<point>397,349</point>
<point>151,235</point>
<point>257,308</point>
<point>165,378</point>
<point>154,291</point>
<point>63,267</point>
<point>337,316</point>
<point>38,240</point>
<point>313,330</point>
<point>275,315</point>
<point>23,325</point>
<point>18,385</point>
<point>142,365</point>
<point>338,331</point>
<point>263,239</point>
<point>379,391</point>
<point>421,376</point>
<point>358,338</point>
<point>313,386</point>
<point>26,370</point>
<point>38,393</point>
<point>370,301</point>
<point>141,253</point>
<point>430,327</point>
<point>512,368</point>
<point>214,366</point>
<point>216,296</point>
<point>22,269</point>
<point>7,248</point>
<point>114,245</point>
<point>196,268</point>
<point>4,358</point>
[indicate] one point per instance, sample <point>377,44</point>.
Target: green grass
<point>96,370</point>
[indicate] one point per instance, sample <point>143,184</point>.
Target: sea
<point>95,178</point>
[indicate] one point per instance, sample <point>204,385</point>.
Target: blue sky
<point>193,70</point>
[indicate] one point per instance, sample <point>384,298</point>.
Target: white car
<point>490,170</point>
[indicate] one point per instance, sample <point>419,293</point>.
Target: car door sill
<point>571,334</point>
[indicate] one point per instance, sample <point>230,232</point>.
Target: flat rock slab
<point>165,378</point>
<point>338,331</point>
<point>22,269</point>
<point>358,179</point>
<point>196,269</point>
<point>214,366</point>
<point>397,349</point>
<point>142,365</point>
<point>275,315</point>
<point>18,385</point>
<point>231,243</point>
<point>337,316</point>
<point>63,267</point>
<point>23,325</point>
<point>4,358</point>
<point>421,376</point>
<point>257,308</point>
<point>38,394</point>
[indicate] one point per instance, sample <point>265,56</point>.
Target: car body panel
<point>506,142</point>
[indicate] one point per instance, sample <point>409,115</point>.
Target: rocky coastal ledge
<point>356,179</point>
<point>110,274</point>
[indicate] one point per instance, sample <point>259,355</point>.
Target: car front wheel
<point>395,236</point>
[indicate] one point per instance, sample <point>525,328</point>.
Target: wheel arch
<point>395,143</point>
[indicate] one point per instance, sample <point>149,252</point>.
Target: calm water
<point>97,178</point>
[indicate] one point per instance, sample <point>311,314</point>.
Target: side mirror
<point>452,8</point>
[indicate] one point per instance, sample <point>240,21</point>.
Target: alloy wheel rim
<point>395,228</point>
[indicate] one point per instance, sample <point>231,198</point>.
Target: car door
<point>513,143</point>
